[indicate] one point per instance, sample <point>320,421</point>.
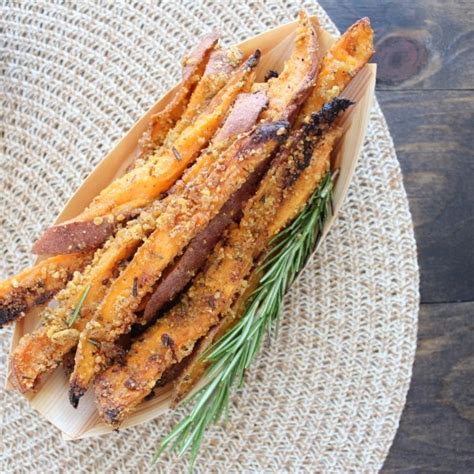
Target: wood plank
<point>433,135</point>
<point>436,432</point>
<point>427,44</point>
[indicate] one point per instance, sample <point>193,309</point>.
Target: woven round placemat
<point>327,394</point>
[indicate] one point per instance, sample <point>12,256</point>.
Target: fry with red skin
<point>236,125</point>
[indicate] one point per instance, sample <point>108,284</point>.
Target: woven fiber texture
<point>327,394</point>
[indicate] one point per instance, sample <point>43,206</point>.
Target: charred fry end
<point>75,394</point>
<point>37,285</point>
<point>329,112</point>
<point>268,131</point>
<point>270,74</point>
<point>19,305</point>
<point>253,60</point>
<point>111,416</point>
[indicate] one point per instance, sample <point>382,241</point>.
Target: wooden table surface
<point>425,56</point>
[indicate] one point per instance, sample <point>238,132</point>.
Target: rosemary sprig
<point>77,310</point>
<point>232,355</point>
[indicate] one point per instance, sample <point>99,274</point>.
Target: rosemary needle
<point>77,310</point>
<point>94,342</point>
<point>176,153</point>
<point>232,355</point>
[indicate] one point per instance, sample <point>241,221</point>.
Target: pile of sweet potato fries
<point>162,261</point>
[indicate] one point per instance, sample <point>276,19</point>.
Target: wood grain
<point>433,135</point>
<point>436,431</point>
<point>423,44</point>
<point>425,87</point>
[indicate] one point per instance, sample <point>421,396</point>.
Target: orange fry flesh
<point>219,69</point>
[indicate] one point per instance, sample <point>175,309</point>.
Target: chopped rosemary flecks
<point>232,355</point>
<point>176,153</point>
<point>77,310</point>
<point>135,287</point>
<point>94,342</point>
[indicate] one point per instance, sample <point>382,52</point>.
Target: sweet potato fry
<point>242,118</point>
<point>245,113</point>
<point>303,64</point>
<point>188,214</point>
<point>120,389</point>
<point>139,187</point>
<point>346,57</point>
<point>76,236</point>
<point>193,68</point>
<point>318,159</point>
<point>222,63</point>
<point>36,285</point>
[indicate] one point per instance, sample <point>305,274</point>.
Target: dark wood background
<point>425,56</point>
